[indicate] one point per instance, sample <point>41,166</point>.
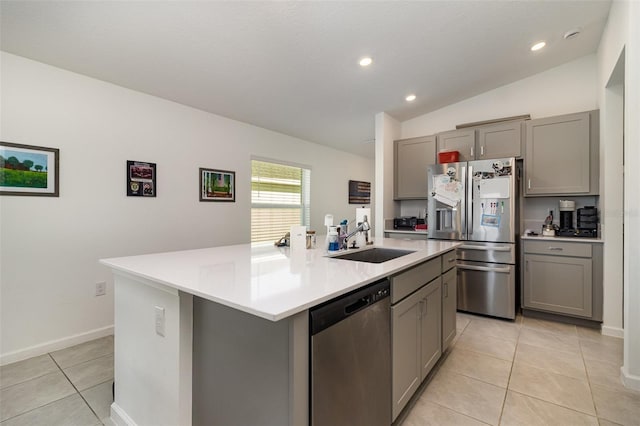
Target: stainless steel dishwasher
<point>351,359</point>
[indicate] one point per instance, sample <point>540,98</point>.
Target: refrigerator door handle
<point>484,248</point>
<point>485,269</point>
<point>470,201</point>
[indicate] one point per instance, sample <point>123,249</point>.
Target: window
<point>280,198</point>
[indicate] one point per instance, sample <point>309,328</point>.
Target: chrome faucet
<point>363,227</point>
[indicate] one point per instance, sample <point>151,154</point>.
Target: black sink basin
<point>373,255</point>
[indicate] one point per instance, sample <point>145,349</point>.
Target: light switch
<point>160,320</point>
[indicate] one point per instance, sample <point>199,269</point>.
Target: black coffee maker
<point>567,208</point>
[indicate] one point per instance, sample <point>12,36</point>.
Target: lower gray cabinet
<point>449,307</point>
<point>558,278</point>
<point>416,341</point>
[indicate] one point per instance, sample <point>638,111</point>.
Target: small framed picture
<point>359,192</point>
<point>141,179</point>
<point>217,185</point>
<point>29,170</point>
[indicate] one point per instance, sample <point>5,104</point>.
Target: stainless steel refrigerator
<point>476,202</point>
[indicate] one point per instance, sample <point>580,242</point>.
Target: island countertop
<point>270,282</point>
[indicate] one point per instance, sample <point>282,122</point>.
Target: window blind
<point>280,198</point>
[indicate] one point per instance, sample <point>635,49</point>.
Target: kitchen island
<point>223,332</point>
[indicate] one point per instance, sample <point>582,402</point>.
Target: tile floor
<point>527,372</point>
<point>67,387</point>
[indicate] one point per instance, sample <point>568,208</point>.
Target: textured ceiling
<point>292,66</point>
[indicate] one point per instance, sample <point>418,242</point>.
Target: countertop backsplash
<point>536,209</point>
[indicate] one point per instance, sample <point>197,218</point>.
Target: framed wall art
<point>29,170</point>
<point>217,185</point>
<point>359,192</point>
<point>141,179</point>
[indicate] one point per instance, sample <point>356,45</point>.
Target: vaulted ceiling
<point>292,67</point>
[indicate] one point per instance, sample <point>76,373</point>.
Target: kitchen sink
<point>373,255</point>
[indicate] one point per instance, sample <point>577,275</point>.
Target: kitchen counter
<point>564,239</point>
<point>270,282</point>
<point>407,231</point>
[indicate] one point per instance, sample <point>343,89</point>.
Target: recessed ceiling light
<point>411,98</point>
<point>365,62</point>
<point>538,46</point>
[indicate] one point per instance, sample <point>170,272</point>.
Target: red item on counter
<point>420,227</point>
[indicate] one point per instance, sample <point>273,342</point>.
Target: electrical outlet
<point>159,319</point>
<point>101,288</point>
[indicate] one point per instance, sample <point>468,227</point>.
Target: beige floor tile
<point>83,352</point>
<point>26,396</point>
<point>100,398</point>
<point>501,329</point>
<point>524,410</point>
<point>610,351</point>
<point>479,366</point>
<point>604,422</point>
<point>603,373</point>
<point>467,396</point>
<point>461,322</point>
<point>426,413</point>
<point>590,333</point>
<point>91,373</point>
<point>69,411</point>
<point>28,369</point>
<point>566,363</point>
<point>545,339</point>
<point>551,387</point>
<point>550,326</point>
<point>619,406</point>
<point>499,348</point>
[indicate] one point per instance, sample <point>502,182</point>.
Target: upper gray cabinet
<point>411,158</point>
<point>500,140</point>
<point>562,155</point>
<point>462,140</point>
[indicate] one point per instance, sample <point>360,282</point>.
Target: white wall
<point>51,246</point>
<point>565,89</point>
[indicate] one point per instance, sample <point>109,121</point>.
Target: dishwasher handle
<point>357,305</point>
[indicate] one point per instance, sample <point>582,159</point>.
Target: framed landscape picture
<point>141,179</point>
<point>217,185</point>
<point>29,170</point>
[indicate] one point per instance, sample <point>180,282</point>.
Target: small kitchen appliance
<point>567,208</point>
<point>405,222</point>
<point>587,222</point>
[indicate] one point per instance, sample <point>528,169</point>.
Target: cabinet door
<point>412,156</point>
<point>430,327</point>
<point>462,141</point>
<point>559,284</point>
<point>405,329</point>
<point>558,155</point>
<point>449,305</point>
<point>500,141</point>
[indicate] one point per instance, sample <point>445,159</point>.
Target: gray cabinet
<point>449,307</point>
<point>411,158</point>
<point>430,328</point>
<point>561,155</point>
<point>563,278</point>
<point>462,140</point>
<point>500,140</point>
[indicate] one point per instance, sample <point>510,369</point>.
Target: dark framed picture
<point>29,170</point>
<point>217,185</point>
<point>141,179</point>
<point>359,192</point>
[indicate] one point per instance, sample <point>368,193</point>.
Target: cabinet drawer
<point>559,248</point>
<point>409,281</point>
<point>448,260</point>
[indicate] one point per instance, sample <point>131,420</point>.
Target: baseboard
<point>630,381</point>
<point>613,331</point>
<point>54,345</point>
<point>120,417</point>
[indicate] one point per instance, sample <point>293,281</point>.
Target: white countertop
<point>567,239</point>
<point>267,281</point>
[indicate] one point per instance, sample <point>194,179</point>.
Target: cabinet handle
<point>446,289</point>
<point>471,152</point>
<point>529,184</point>
<point>481,150</point>
<point>556,248</point>
<point>526,266</point>
<point>453,259</point>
